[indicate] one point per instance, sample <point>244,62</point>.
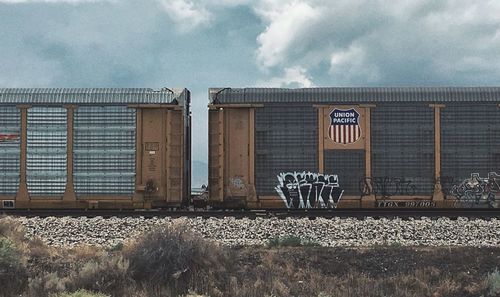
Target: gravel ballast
<point>108,232</point>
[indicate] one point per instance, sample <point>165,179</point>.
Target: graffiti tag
<point>386,187</point>
<point>477,189</point>
<point>446,183</point>
<point>8,137</point>
<point>237,182</point>
<point>309,190</point>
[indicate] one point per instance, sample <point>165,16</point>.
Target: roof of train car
<point>89,96</point>
<point>354,94</point>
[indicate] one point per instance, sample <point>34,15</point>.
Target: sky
<point>238,43</point>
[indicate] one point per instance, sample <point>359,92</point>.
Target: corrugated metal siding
<point>104,150</point>
<point>349,165</point>
<point>86,96</point>
<point>356,95</point>
<point>10,127</point>
<point>46,151</point>
<point>470,141</point>
<point>285,141</point>
<point>403,144</point>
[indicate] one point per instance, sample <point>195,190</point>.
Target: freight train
<point>384,147</point>
<point>94,148</point>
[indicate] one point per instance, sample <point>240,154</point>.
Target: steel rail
<point>265,213</point>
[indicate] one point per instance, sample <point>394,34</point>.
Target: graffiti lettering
<point>477,189</point>
<point>309,190</point>
<point>406,204</point>
<point>386,187</point>
<point>446,183</point>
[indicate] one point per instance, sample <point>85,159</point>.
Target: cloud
<point>186,15</point>
<point>237,43</point>
<point>351,65</point>
<point>51,1</point>
<point>128,43</point>
<point>189,15</point>
<point>285,25</point>
<point>293,77</point>
<point>382,42</point>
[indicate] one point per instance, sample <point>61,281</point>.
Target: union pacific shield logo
<point>344,126</point>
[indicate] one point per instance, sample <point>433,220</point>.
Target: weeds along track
<point>251,214</point>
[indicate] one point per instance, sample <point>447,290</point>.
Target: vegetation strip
<point>171,261</point>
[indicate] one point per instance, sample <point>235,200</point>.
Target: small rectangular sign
<point>152,146</point>
<point>406,204</point>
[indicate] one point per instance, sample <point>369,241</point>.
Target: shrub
<point>108,274</point>
<point>493,282</point>
<point>194,294</point>
<point>13,273</point>
<point>47,284</point>
<point>171,260</point>
<point>10,228</point>
<point>80,293</point>
<point>85,253</point>
<point>36,248</point>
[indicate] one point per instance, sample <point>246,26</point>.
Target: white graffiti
<point>309,190</point>
<point>237,182</point>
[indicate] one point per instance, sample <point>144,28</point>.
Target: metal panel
<point>46,151</point>
<point>104,150</point>
<point>10,129</point>
<point>286,140</point>
<point>403,146</point>
<point>90,96</point>
<point>470,140</point>
<point>349,165</point>
<point>355,95</point>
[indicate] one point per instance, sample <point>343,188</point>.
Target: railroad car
<point>94,148</point>
<point>385,147</point>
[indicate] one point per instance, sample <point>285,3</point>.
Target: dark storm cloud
<point>126,44</point>
<point>201,44</point>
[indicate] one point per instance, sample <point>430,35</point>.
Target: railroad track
<point>279,213</point>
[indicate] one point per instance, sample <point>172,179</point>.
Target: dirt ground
<point>376,271</point>
<point>381,260</point>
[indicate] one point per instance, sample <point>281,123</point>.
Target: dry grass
<point>283,282</point>
<point>80,293</point>
<point>106,274</point>
<point>493,283</point>
<point>173,262</point>
<point>85,253</point>
<point>11,229</point>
